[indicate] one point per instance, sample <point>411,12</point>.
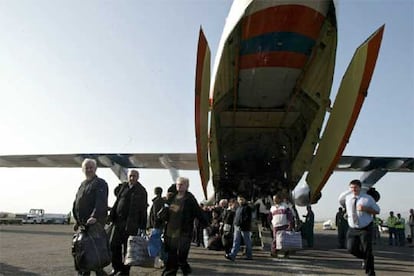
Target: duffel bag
<point>90,248</point>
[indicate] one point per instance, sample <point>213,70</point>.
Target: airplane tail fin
<point>348,103</point>
<point>202,104</point>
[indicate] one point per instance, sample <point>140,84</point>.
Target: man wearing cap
<point>361,207</point>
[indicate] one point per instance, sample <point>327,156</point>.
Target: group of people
<point>395,225</point>
<point>180,209</point>
<point>396,228</point>
<point>128,217</point>
<point>230,224</point>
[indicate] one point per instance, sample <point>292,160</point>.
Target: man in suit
<point>129,218</point>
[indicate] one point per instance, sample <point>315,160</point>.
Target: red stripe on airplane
<point>285,18</point>
<point>273,59</point>
<point>371,60</point>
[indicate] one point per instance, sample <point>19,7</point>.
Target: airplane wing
<point>118,163</point>
<point>374,167</point>
<point>181,161</point>
<point>184,161</point>
<point>368,163</point>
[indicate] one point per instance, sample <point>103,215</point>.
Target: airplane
<point>259,119</point>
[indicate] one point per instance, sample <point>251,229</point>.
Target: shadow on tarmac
<point>25,247</point>
<point>36,232</point>
<point>13,270</point>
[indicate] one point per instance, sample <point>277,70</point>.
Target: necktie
<point>354,212</point>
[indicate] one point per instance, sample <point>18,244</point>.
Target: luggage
<point>214,243</point>
<point>288,240</point>
<point>205,237</point>
<point>137,252</point>
<point>90,248</point>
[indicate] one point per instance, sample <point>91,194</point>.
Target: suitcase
<point>288,240</point>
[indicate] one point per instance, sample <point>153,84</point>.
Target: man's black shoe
<point>113,273</point>
<point>186,269</point>
<point>228,257</point>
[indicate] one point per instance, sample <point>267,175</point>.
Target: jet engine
<point>301,195</point>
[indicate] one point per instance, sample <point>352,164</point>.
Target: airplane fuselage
<point>270,92</point>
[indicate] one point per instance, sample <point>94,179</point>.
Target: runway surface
<point>30,250</point>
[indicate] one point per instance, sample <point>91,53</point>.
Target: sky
<point>118,77</point>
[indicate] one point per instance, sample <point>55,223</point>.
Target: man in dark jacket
<point>157,203</point>
<point>182,211</point>
<point>242,229</point>
<point>157,224</point>
<point>342,227</point>
<point>129,217</point>
<point>307,227</point>
<point>227,228</point>
<point>91,202</point>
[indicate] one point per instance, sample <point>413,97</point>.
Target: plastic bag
<point>154,243</point>
<point>137,252</point>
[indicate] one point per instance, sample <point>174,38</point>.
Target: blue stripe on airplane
<point>277,41</point>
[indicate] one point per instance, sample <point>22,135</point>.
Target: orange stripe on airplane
<point>286,18</point>
<point>273,59</point>
<point>201,57</point>
<point>201,54</point>
<point>373,50</point>
<point>371,60</point>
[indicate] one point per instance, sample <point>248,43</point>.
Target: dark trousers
<point>359,244</point>
<point>342,232</point>
<point>198,234</point>
<point>177,250</point>
<point>227,241</point>
<point>307,232</point>
<point>265,220</point>
<point>401,236</point>
<point>392,236</point>
<point>118,248</point>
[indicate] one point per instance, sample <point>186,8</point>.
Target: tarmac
<point>31,250</point>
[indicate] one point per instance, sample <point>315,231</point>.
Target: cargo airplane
<point>259,122</point>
